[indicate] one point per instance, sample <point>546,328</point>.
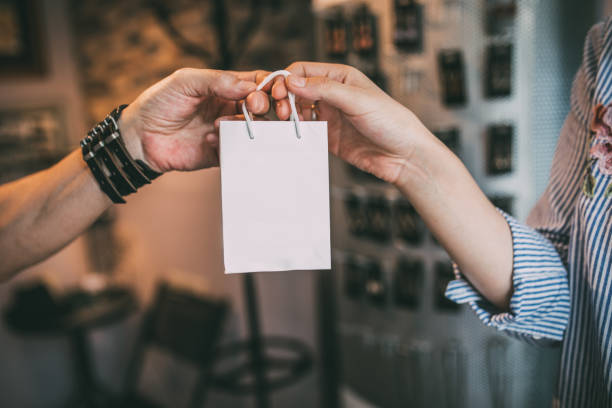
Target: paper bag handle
<point>294,114</point>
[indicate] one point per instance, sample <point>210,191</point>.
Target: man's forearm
<point>460,216</point>
<point>42,213</point>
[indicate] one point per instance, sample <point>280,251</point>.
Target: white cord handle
<point>294,114</point>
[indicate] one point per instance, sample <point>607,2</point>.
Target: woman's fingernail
<point>297,81</point>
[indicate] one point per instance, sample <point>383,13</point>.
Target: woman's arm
<point>370,130</point>
<point>167,127</point>
<point>513,276</point>
<point>460,216</point>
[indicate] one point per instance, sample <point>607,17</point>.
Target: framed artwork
<point>31,139</point>
<point>499,149</point>
<point>21,51</point>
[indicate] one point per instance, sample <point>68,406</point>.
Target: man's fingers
<point>205,82</point>
<point>279,90</point>
<point>250,76</point>
<point>212,139</point>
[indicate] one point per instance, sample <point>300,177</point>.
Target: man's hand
<point>366,126</point>
<point>171,125</point>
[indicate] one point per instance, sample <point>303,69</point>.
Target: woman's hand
<point>366,127</point>
<point>171,125</point>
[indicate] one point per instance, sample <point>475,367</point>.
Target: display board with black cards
<point>453,63</point>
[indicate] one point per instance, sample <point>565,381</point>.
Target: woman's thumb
<point>334,93</point>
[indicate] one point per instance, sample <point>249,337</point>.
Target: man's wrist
<point>131,135</point>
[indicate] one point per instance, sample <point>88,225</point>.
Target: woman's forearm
<point>42,213</point>
<point>460,216</point>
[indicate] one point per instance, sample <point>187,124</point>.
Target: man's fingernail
<point>297,81</point>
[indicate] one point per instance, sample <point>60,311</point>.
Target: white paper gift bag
<point>275,195</point>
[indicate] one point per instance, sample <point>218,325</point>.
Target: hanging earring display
<point>409,226</point>
<point>498,78</point>
<point>378,218</point>
<point>500,16</point>
<point>336,38</point>
<point>376,290</point>
<point>499,149</point>
<point>452,77</point>
<point>354,278</point>
<point>408,283</point>
<point>408,32</point>
<point>355,213</point>
<point>364,32</point>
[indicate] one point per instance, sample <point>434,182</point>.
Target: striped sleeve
<point>539,307</point>
<point>540,304</point>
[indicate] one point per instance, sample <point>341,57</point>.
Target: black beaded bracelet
<point>104,151</point>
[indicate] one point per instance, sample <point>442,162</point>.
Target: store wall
<point>169,231</point>
<point>407,344</point>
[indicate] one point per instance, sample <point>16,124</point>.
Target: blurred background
<point>138,311</point>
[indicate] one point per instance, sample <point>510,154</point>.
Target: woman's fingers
<point>344,97</point>
<point>279,90</point>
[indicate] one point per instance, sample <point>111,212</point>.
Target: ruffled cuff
<point>539,307</point>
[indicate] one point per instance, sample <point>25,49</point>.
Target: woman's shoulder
<point>592,81</point>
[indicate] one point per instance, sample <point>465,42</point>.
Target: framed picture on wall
<point>31,139</point>
<point>21,50</point>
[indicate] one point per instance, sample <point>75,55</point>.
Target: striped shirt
<point>562,261</point>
